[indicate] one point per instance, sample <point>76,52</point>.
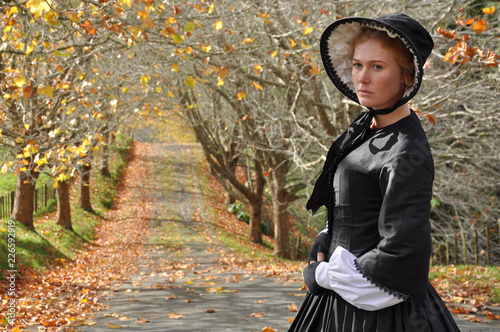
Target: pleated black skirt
<point>328,312</point>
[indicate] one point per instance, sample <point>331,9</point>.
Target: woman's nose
<point>363,76</point>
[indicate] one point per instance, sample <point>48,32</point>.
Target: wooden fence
<point>477,247</point>
<point>43,196</point>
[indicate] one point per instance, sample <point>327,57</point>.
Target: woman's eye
<point>377,67</point>
<point>356,65</point>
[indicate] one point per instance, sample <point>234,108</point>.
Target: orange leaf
<point>479,26</point>
<point>448,34</point>
<point>28,91</point>
<point>489,10</point>
<point>269,329</point>
<point>470,21</point>
<point>431,119</point>
<point>257,86</point>
<point>142,320</point>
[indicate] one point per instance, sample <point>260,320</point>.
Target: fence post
<point>476,254</point>
<point>455,251</point>
<point>298,248</point>
<point>12,197</point>
<point>447,253</point>
<point>487,245</point>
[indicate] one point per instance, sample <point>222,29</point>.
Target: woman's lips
<point>364,92</point>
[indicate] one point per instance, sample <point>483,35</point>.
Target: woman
<point>368,271</point>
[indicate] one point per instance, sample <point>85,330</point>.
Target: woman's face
<point>376,75</point>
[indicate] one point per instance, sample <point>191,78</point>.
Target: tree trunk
<point>63,206</point>
<point>229,199</point>
<point>24,196</point>
<point>105,157</point>
<point>280,213</point>
<point>85,188</point>
<point>255,208</point>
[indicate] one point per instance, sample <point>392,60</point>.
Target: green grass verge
<point>468,281</point>
<point>50,242</point>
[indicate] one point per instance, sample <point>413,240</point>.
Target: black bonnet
<point>336,38</point>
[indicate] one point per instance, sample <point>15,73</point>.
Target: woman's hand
<point>318,249</point>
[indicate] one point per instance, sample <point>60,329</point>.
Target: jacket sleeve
<point>400,262</point>
<point>341,275</point>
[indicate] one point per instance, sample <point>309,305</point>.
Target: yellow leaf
<point>72,16</point>
<point>220,81</point>
<point>308,30</point>
<point>190,81</point>
<point>242,95</point>
<point>218,25</point>
<point>211,9</point>
<point>292,42</point>
<point>258,69</point>
<point>175,67</point>
<point>51,17</point>
<point>83,301</point>
<point>47,91</point>
<point>37,7</point>
<point>31,47</point>
<point>248,40</point>
<point>20,81</point>
<point>275,53</point>
<point>489,10</point>
<point>158,89</point>
<point>257,86</point>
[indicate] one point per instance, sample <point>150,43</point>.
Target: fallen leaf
<point>174,315</point>
<point>261,301</point>
<point>257,314</point>
<point>269,329</point>
<point>171,297</point>
<point>293,307</point>
<point>210,311</point>
<point>142,320</point>
<point>113,326</point>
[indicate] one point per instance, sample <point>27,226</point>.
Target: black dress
<point>382,193</point>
